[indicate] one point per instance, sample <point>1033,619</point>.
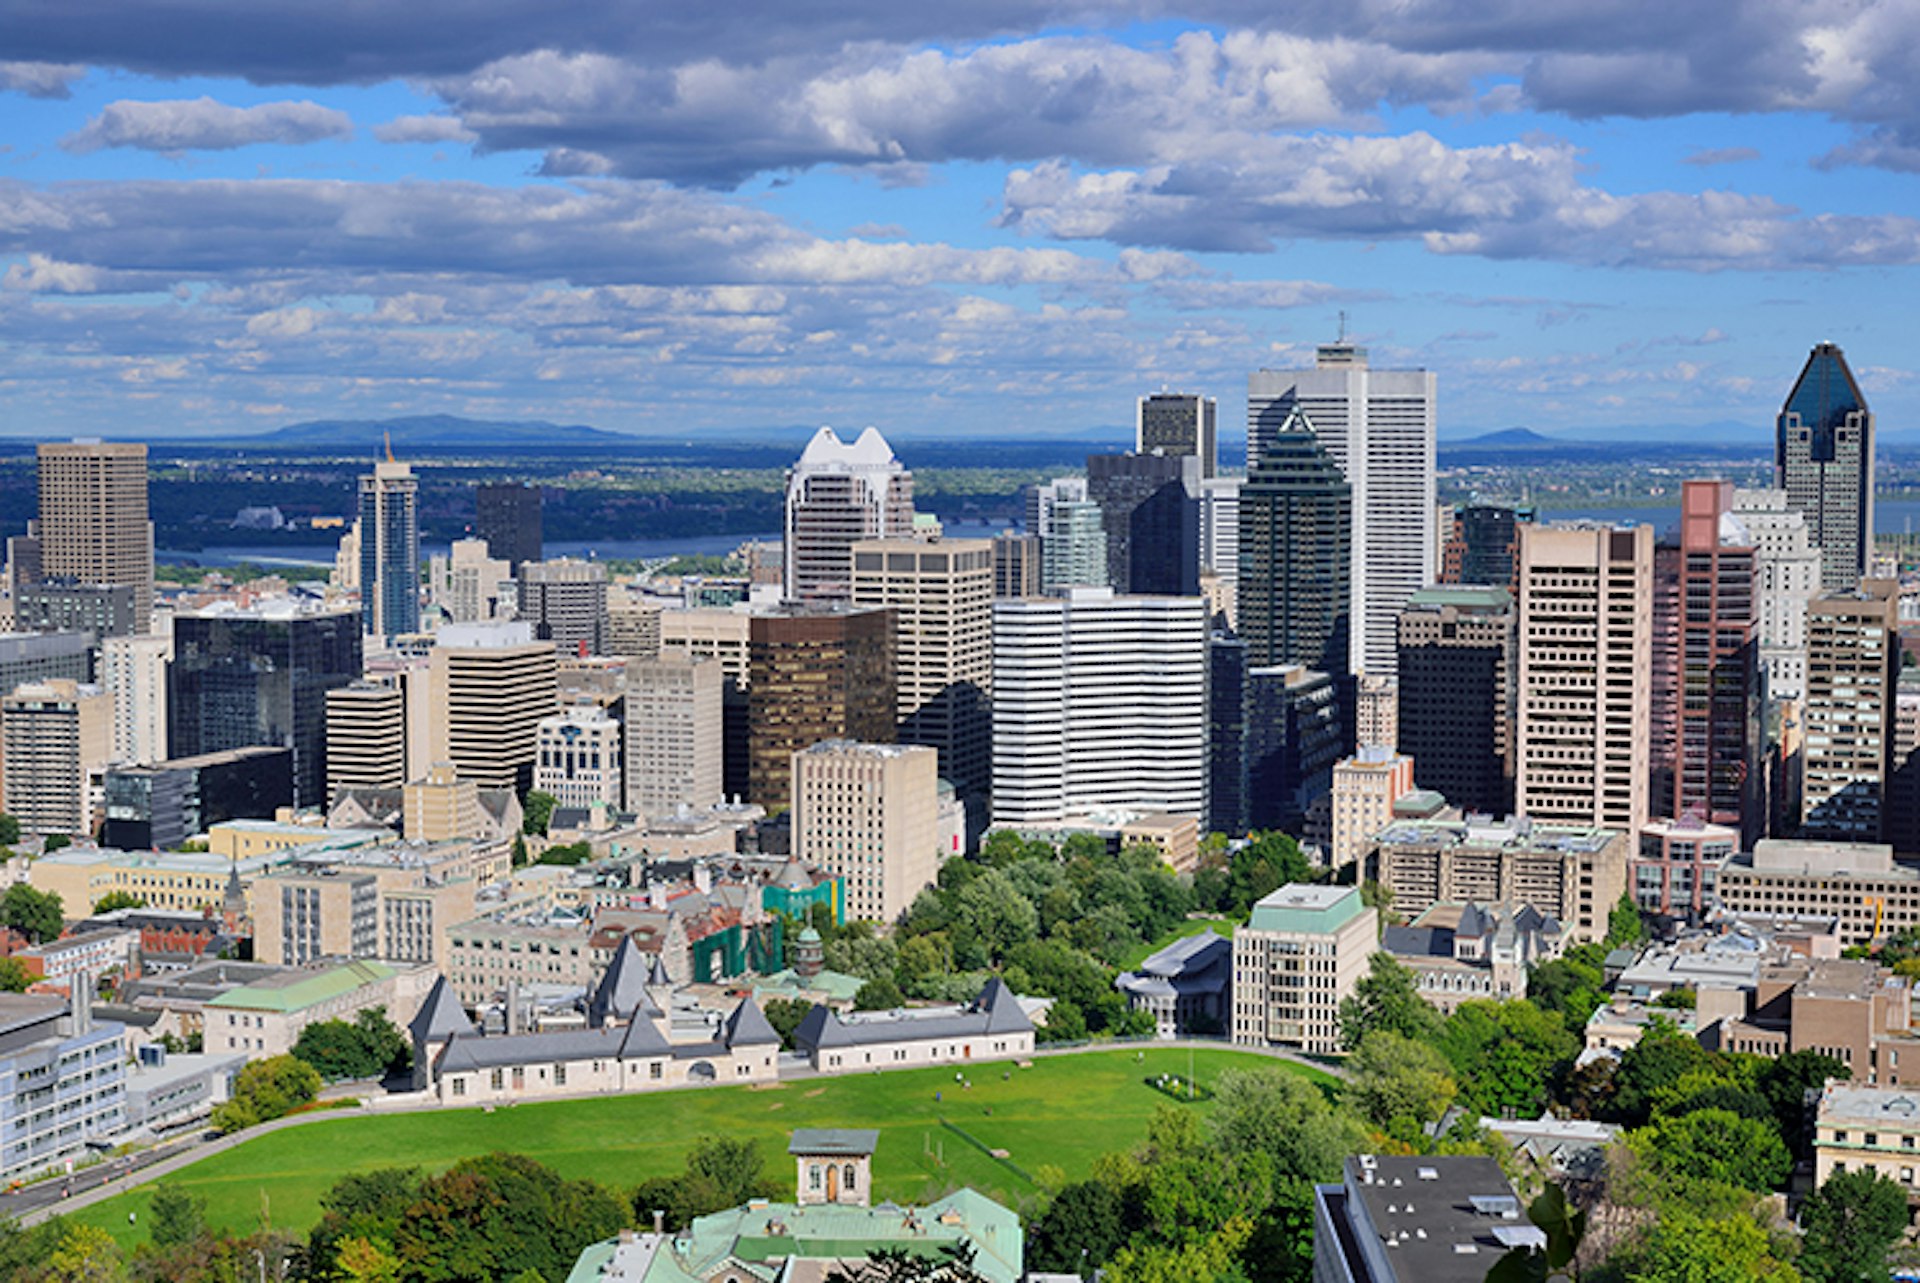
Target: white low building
<point>991,1027</point>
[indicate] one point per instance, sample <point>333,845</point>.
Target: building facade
<point>390,550</point>
<point>815,676</point>
<point>1079,684</point>
<point>134,669</point>
<point>838,494</point>
<point>1177,423</point>
<point>55,741</point>
<point>1378,428</point>
<point>1790,572</point>
<point>94,526</point>
<point>261,676</point>
<point>1295,590</point>
<point>940,593</point>
<point>869,814</point>
<point>1585,694</point>
<point>1295,961</point>
<point>488,686</point>
<point>674,734</point>
<point>580,759</point>
<point>507,519</point>
<point>565,602</point>
<point>1823,457</point>
<point>1573,873</point>
<point>1150,509</point>
<point>1853,673</point>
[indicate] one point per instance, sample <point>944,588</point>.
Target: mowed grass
<point>1065,1111</point>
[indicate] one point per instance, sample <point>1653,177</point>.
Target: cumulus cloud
<point>1512,200</point>
<point>201,124</point>
<point>40,79</point>
<point>423,129</point>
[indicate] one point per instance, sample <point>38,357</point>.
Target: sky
<point>947,220</point>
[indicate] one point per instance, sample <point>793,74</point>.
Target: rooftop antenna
<point>1343,326</point>
<point>388,436</point>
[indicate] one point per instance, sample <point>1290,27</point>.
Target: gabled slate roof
<point>440,1016</point>
<point>622,992</point>
<point>748,1027</point>
<point>995,1011</point>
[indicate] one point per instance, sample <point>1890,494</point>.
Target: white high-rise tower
<point>839,493</point>
<point>1378,425</point>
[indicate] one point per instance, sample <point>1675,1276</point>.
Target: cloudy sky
<point>945,219</point>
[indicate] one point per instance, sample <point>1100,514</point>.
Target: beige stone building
<point>1295,961</point>
<point>1365,787</point>
<point>633,624</point>
<point>442,806</point>
<point>265,1018</point>
<point>397,903</point>
<point>869,813</point>
<point>1868,1129</point>
<point>56,738</point>
<point>710,632</point>
<point>1585,693</point>
<point>675,738</point>
<point>941,595</point>
<point>1857,882</point>
<point>93,518</point>
<point>488,687</point>
<point>579,757</point>
<point>1573,872</point>
<point>1848,715</point>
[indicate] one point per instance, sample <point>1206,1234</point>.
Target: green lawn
<point>1191,927</point>
<point>1064,1112</point>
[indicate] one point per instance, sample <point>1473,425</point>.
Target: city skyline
<point>1015,220</point>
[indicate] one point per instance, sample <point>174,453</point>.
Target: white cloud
<point>423,129</point>
<point>201,124</point>
<point>40,79</point>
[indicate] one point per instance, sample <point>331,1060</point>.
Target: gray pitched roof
<point>440,1016</point>
<point>748,1027</point>
<point>622,992</point>
<point>657,972</point>
<point>995,1011</point>
<point>476,1051</point>
<point>833,1140</point>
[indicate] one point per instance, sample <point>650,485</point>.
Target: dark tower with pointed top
<point>1296,532</point>
<point>1823,452</point>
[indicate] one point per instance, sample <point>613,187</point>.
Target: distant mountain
<point>435,430</point>
<point>1505,439</point>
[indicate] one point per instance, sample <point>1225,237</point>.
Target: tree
<point>37,915</point>
<point>176,1216</point>
<point>1286,1118</point>
<point>86,1255</point>
<point>1652,1068</point>
<point>1624,924</point>
<point>785,1015</point>
<point>719,1173</point>
<point>1505,1054</point>
<point>1084,1225</point>
<point>369,1046</point>
<point>990,917</point>
<point>1385,998</point>
<point>1852,1223</point>
<point>1686,1248</point>
<point>497,1215</point>
<point>56,842</point>
<point>366,1260</point>
<point>118,900</point>
<point>1716,1145</point>
<point>1399,1085</point>
<point>536,813</point>
<point>9,830</point>
<point>879,995</point>
<point>265,1090</point>
<point>1788,1082</point>
<point>14,976</point>
<point>1564,1228</point>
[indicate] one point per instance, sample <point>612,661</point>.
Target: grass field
<point>1064,1111</point>
<point>1191,927</point>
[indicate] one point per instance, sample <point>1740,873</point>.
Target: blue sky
<point>1009,218</point>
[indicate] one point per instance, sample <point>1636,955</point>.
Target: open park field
<point>1062,1112</point>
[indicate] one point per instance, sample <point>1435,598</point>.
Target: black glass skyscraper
<point>1150,507</point>
<point>508,518</point>
<point>1823,452</point>
<point>1296,532</point>
<point>241,678</point>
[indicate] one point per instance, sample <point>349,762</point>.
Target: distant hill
<point>435,430</point>
<point>1504,439</point>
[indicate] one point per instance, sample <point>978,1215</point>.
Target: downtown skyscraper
<point>838,494</point>
<point>1177,423</point>
<point>390,550</point>
<point>1378,427</point>
<point>1823,455</point>
<point>93,526</point>
<point>1296,536</point>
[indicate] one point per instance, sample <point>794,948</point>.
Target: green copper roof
<point>1299,907</point>
<point>306,991</point>
<point>1478,596</point>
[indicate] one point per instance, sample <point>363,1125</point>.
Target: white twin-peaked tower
<point>1378,426</point>
<point>841,492</point>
